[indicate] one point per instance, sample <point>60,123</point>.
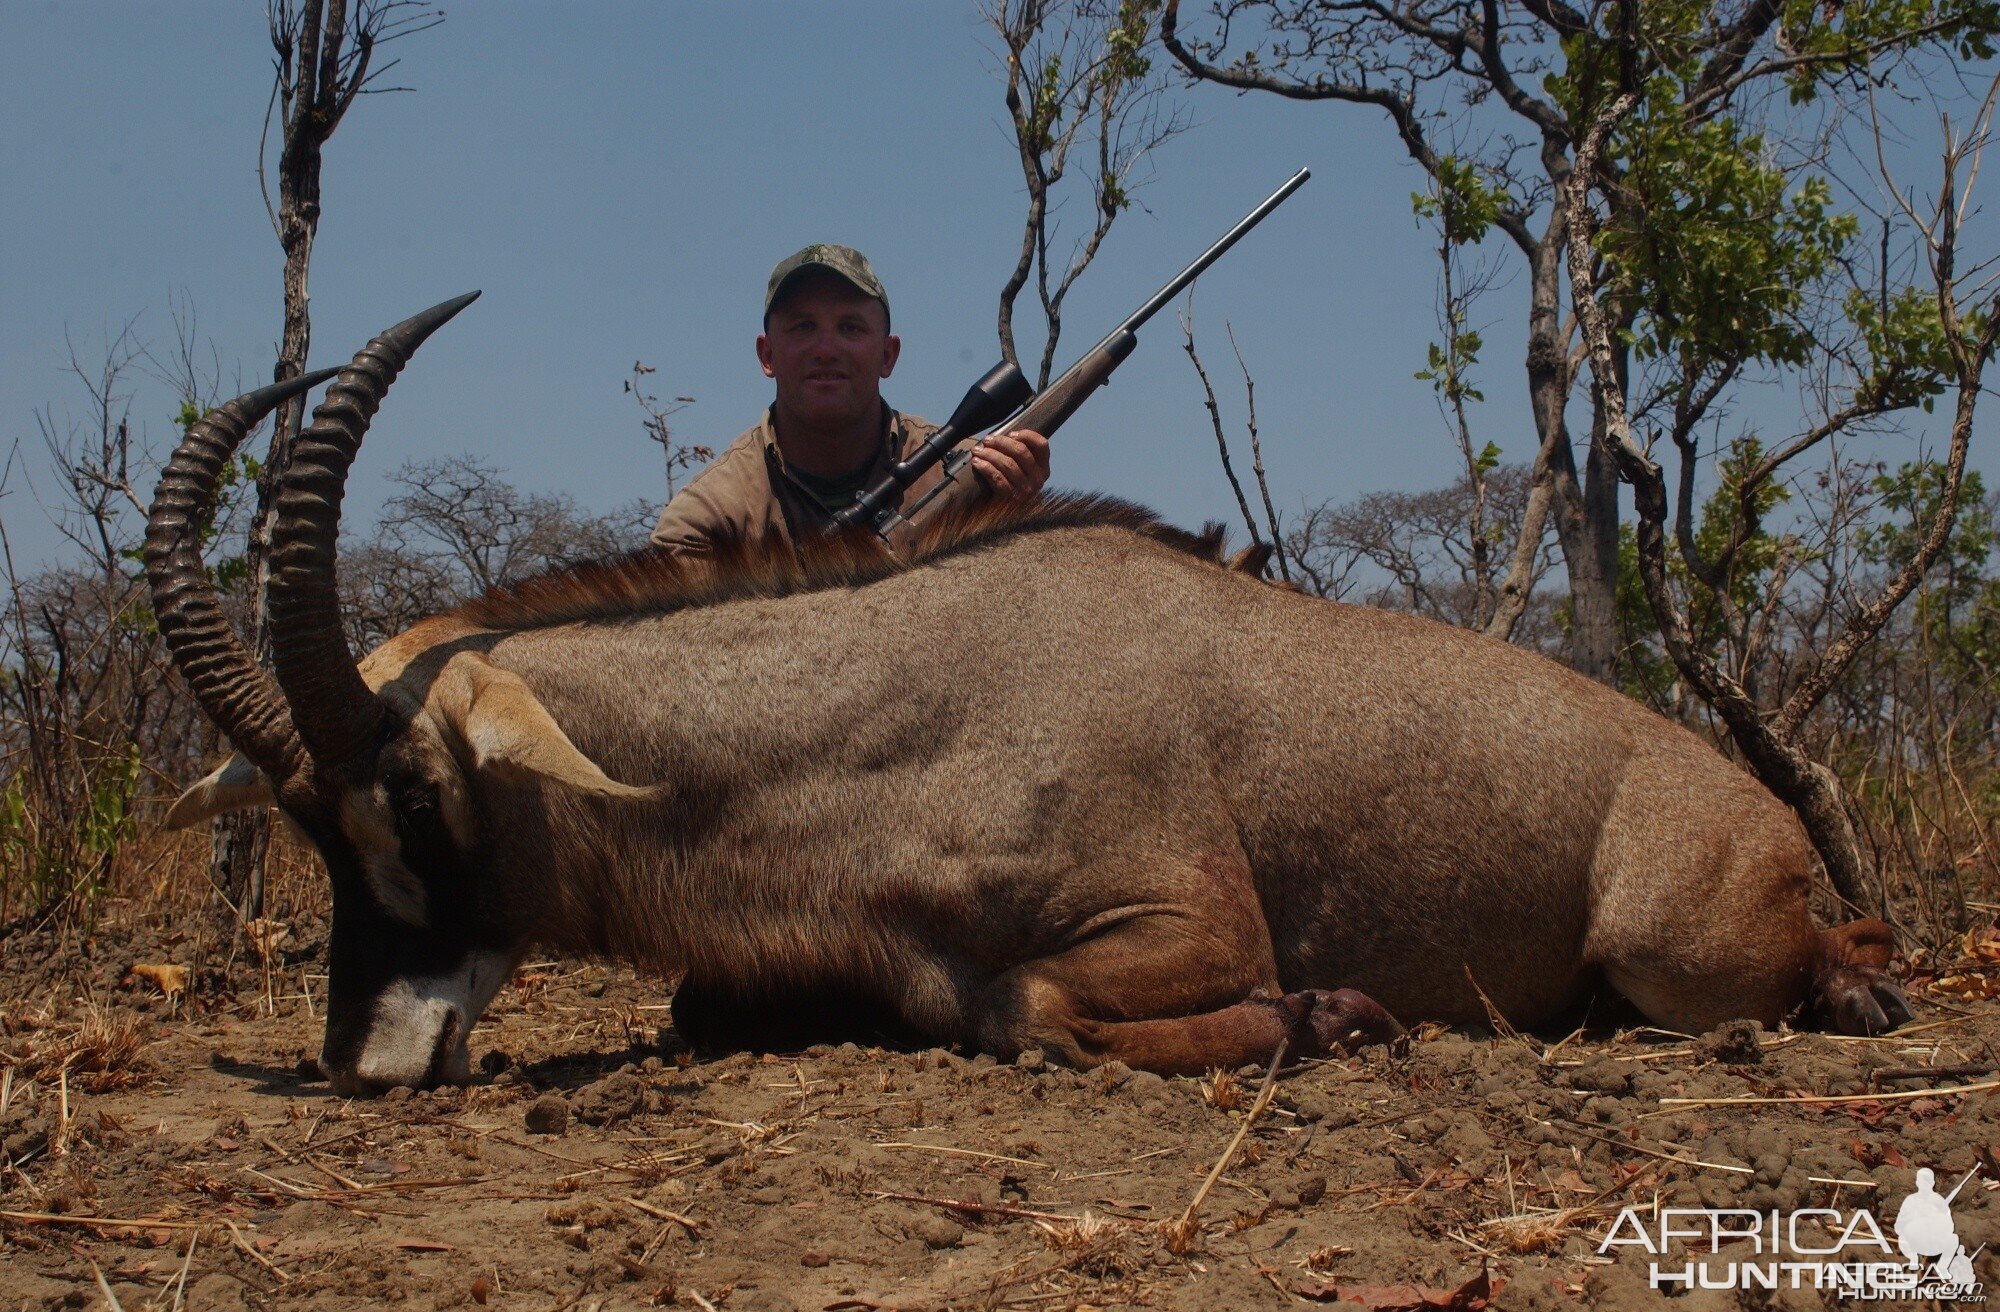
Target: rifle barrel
<point>1208,257</point>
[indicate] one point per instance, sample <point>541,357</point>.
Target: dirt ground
<point>184,1153</point>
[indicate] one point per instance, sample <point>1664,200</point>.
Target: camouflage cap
<point>849,263</point>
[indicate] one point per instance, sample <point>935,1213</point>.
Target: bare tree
<point>1078,78</point>
<point>325,61</point>
<point>489,532</point>
<point>1214,408</point>
<point>459,528</point>
<point>679,456</point>
<point>85,705</point>
<point>1415,551</point>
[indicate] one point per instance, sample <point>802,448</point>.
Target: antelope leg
<point>1161,993</point>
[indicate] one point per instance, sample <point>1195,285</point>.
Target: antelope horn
<point>238,695</point>
<point>338,717</point>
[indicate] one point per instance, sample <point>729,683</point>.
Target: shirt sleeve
<point>691,523</point>
<point>717,505</point>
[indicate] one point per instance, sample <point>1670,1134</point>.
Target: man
<point>828,436</point>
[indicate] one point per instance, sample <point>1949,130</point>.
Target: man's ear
<point>764,354</point>
<point>235,785</point>
<point>892,350</point>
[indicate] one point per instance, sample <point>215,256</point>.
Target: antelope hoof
<point>1861,1000</point>
<point>1342,1020</point>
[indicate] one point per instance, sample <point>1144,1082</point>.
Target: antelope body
<point>1065,782</point>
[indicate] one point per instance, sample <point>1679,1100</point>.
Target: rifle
<point>1004,396</point>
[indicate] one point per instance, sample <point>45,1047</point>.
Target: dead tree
<point>679,456</point>
<point>325,61</point>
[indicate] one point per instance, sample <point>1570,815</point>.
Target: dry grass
<point>1096,1246</point>
<point>1222,1091</point>
<point>96,1051</point>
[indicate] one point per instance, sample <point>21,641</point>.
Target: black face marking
<point>415,798</point>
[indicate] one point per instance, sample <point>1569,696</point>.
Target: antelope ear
<point>235,785</point>
<point>1253,559</point>
<point>505,728</point>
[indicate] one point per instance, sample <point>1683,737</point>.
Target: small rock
<point>401,1093</point>
<point>768,1196</point>
<point>652,1066</point>
<point>766,1300</point>
<point>1602,1076</point>
<point>1733,1043</point>
<point>1112,1075</point>
<point>616,1097</point>
<point>1310,1190</point>
<point>1466,1142</point>
<point>1314,1106</point>
<point>24,1142</point>
<point>548,1114</point>
<point>1031,1059</point>
<point>936,1231</point>
<point>214,1290</point>
<point>813,1259</point>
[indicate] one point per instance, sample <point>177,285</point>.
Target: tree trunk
<point>314,95</point>
<point>1582,526</point>
<point>1594,586</point>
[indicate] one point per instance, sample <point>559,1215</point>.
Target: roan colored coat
<point>1066,781</point>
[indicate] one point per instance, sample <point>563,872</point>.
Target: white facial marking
<point>412,1013</point>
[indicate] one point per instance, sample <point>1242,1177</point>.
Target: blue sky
<point>619,179</point>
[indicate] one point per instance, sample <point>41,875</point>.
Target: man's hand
<point>1013,465</point>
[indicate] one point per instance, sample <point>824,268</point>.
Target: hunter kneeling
<point>828,435</point>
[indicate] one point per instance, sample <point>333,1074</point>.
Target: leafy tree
<point>1668,162</point>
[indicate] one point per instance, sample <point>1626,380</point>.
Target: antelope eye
<point>419,797</point>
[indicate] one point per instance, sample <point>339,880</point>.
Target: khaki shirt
<point>748,493</point>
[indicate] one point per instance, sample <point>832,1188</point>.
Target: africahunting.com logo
<point>1842,1252</point>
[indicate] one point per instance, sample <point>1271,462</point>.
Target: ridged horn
<point>238,695</point>
<point>338,716</point>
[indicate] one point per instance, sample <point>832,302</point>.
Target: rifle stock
<point>1066,395</point>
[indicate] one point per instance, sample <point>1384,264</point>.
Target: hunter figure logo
<point>1824,1248</point>
<point>1926,1234</point>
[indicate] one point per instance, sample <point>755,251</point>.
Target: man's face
<point>829,347</point>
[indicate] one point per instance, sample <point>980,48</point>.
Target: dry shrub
<point>100,1052</point>
<point>1222,1091</point>
<point>1541,1232</point>
<point>1094,1245</point>
<point>1322,1260</point>
<point>1969,968</point>
<point>1179,1235</point>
